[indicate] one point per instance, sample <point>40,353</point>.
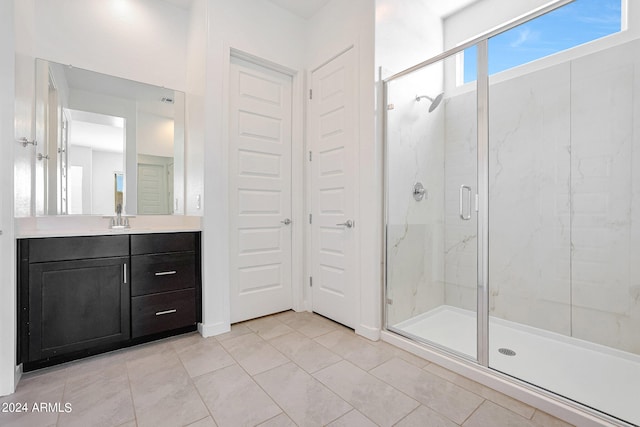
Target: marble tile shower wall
<point>564,200</point>
<point>415,231</point>
<point>529,200</point>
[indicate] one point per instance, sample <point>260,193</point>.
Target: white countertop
<point>96,225</point>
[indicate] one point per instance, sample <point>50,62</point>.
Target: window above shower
<point>578,23</point>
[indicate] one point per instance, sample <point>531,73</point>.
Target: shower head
<point>434,101</point>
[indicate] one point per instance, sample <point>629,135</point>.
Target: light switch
<point>198,201</point>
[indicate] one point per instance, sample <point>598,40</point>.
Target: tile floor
<point>283,370</point>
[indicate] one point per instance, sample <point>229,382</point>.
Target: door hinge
<point>310,93</point>
<point>310,282</point>
<point>389,301</point>
<point>310,156</point>
<point>310,218</point>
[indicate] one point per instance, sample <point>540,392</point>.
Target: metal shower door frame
<point>482,141</point>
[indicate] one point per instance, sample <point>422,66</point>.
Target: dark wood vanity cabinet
<point>84,295</point>
<point>163,282</point>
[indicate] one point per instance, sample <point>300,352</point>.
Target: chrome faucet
<point>119,221</point>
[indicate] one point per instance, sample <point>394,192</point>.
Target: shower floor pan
<point>596,376</point>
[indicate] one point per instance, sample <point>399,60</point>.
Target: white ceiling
<point>183,4</point>
<point>307,8</point>
<point>303,8</point>
<point>444,8</point>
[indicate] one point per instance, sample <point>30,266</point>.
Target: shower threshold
<point>597,376</point>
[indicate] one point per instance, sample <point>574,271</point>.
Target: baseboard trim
<point>211,330</point>
<point>372,334</point>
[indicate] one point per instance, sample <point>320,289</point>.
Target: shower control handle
<point>419,191</point>
<point>348,223</point>
<point>464,217</point>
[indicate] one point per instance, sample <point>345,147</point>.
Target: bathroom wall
<point>7,243</point>
<point>248,26</point>
<point>482,16</point>
<point>24,157</point>
<point>406,34</point>
<point>529,203</point>
<point>142,40</point>
<point>72,32</point>
<point>334,28</point>
<point>415,229</point>
<point>605,203</point>
<point>155,135</point>
<point>460,166</point>
<point>194,106</point>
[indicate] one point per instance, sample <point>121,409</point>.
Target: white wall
<point>248,26</point>
<point>142,40</point>
<point>336,27</point>
<point>154,135</point>
<point>24,105</point>
<point>194,111</point>
<point>482,16</point>
<point>104,165</point>
<point>7,242</point>
<point>117,107</point>
<point>407,33</point>
<point>82,157</point>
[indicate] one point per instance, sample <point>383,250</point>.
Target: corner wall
<point>336,27</point>
<point>404,36</point>
<point>7,245</point>
<point>245,25</point>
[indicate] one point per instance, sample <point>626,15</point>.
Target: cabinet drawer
<point>82,247</point>
<point>162,312</point>
<point>162,273</point>
<point>162,242</point>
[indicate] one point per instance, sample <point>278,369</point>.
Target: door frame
<point>297,164</point>
<point>308,173</point>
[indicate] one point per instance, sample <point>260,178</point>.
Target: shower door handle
<point>464,217</point>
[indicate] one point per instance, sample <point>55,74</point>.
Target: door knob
<point>348,223</point>
<point>286,221</point>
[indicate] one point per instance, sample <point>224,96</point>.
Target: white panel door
<point>260,193</point>
<point>332,132</point>
<point>152,194</point>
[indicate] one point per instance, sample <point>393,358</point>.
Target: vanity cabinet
<point>163,283</point>
<point>79,296</point>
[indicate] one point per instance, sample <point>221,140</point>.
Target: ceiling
<point>183,4</point>
<point>303,8</point>
<point>444,8</point>
<point>307,8</point>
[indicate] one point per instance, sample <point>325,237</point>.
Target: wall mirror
<point>105,141</point>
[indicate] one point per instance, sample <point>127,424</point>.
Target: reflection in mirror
<point>106,141</point>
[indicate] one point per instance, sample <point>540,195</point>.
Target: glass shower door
<point>563,236</point>
<point>431,218</point>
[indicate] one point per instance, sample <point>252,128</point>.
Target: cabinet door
<point>77,305</point>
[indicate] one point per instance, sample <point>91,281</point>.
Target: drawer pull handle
<point>165,273</point>
<point>160,313</point>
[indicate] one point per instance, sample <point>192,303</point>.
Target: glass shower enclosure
<point>513,218</point>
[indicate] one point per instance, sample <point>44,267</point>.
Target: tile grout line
<point>64,391</point>
<point>481,396</point>
<point>192,382</point>
<point>256,383</point>
<point>473,412</point>
<point>303,370</point>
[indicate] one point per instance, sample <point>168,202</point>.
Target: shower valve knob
<point>419,192</point>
